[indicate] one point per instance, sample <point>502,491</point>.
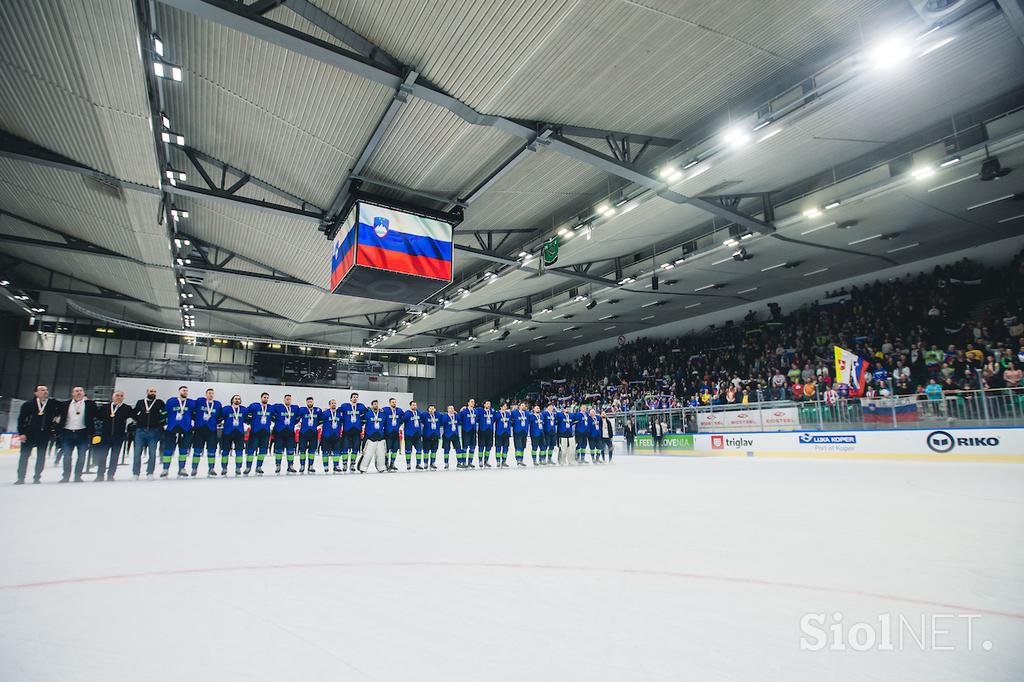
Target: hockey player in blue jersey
<point>392,432</point>
<point>261,417</point>
<point>309,422</point>
<point>537,439</point>
<point>486,417</point>
<point>374,445</point>
<point>232,436</point>
<point>204,433</point>
<point>521,419</point>
<point>565,424</point>
<point>330,437</point>
<point>352,415</point>
<point>550,434</point>
<point>468,418</point>
<point>178,429</point>
<point>595,436</point>
<point>582,434</point>
<point>450,429</point>
<point>285,416</point>
<point>412,433</point>
<point>431,437</point>
<point>502,432</point>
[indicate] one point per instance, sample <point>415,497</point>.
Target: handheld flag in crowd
<point>850,370</point>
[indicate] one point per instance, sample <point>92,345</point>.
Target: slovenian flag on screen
<point>343,256</point>
<point>404,243</point>
<point>850,370</point>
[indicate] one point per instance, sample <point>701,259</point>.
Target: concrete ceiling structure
<point>644,135</point>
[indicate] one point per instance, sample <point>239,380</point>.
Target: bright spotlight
<point>735,137</point>
<point>888,54</point>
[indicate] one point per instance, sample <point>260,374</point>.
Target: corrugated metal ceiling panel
<point>294,122</point>
<point>84,208</point>
<point>74,83</point>
<point>451,159</point>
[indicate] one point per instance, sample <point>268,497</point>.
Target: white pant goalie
<point>374,452</point>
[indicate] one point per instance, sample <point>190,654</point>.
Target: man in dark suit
<point>629,431</point>
<point>35,427</point>
<point>77,424</point>
<point>149,432</point>
<point>607,433</point>
<point>113,423</point>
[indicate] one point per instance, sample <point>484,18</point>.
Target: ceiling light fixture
<point>904,248</point>
<point>773,267</point>
<point>815,272</point>
<point>950,162</point>
<point>693,305</point>
<point>747,291</point>
<point>864,239</point>
<point>812,212</point>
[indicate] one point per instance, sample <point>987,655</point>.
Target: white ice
<point>647,569</point>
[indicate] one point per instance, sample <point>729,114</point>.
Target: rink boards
<point>993,444</point>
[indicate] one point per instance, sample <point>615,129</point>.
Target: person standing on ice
<point>502,432</point>
<point>393,415</point>
<point>536,434</point>
<point>431,437</point>
<point>468,417</point>
<point>412,432</point>
<point>450,436</point>
<point>284,434</point>
<point>582,434</point>
<point>178,431</point>
<point>564,435</point>
<point>330,437</point>
<point>374,443</point>
<point>352,416</point>
<point>309,422</point>
<point>260,415</point>
<point>520,430</point>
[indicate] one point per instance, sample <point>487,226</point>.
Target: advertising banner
<point>673,442</point>
<point>783,418</point>
<point>994,444</point>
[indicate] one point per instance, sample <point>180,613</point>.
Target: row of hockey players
<point>355,436</point>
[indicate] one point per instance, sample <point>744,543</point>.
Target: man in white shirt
<point>77,425</point>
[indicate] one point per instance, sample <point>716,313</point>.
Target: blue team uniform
<point>309,441</point>
<point>550,435</point>
<point>177,431</point>
<point>352,419</point>
<point>330,438</point>
<point>582,435</point>
<point>536,434</point>
<point>412,431</point>
<point>451,426</point>
<point>285,419</point>
<point>232,437</point>
<point>431,438</point>
<point>502,433</point>
<point>261,420</point>
<point>204,435</point>
<point>468,423</point>
<point>520,430</point>
<point>393,432</point>
<point>485,434</point>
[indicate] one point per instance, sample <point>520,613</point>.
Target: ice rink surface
<point>648,569</point>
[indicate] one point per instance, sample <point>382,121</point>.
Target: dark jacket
<point>153,420</point>
<point>114,426</point>
<point>90,414</point>
<point>30,422</point>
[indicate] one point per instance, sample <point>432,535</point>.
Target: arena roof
<point>529,115</point>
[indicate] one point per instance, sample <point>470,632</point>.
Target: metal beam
<point>1014,13</point>
<point>448,201</point>
<point>581,276</point>
<point>238,18</point>
<point>222,196</point>
<point>328,24</point>
<point>507,165</point>
<point>495,313</point>
<point>598,134</point>
<point>195,155</point>
<point>400,97</point>
<point>14,147</point>
<point>243,20</point>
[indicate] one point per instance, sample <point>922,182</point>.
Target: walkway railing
<point>1002,407</point>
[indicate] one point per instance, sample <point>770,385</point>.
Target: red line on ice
<point>543,567</point>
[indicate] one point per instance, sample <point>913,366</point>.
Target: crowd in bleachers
<point>959,327</point>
